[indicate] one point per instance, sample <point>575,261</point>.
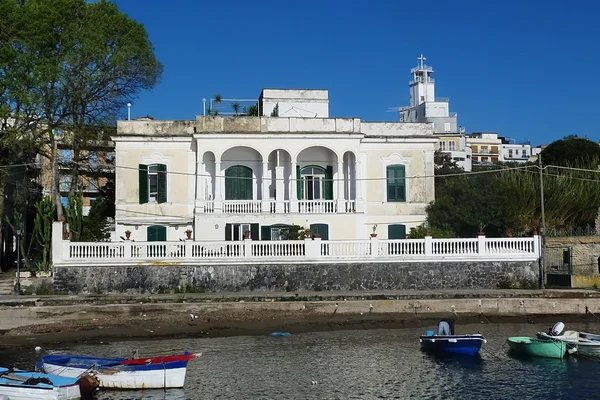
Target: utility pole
<point>542,227</point>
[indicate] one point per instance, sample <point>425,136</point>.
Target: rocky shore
<point>32,321</point>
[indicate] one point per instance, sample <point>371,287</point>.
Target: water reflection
<point>366,364</point>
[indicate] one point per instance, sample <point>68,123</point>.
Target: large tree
<point>73,65</point>
<point>572,150</point>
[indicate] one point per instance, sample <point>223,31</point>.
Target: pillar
<point>341,198</point>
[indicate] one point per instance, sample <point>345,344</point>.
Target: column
<point>219,180</point>
<point>341,198</point>
<point>359,194</point>
<point>200,197</point>
<point>279,190</point>
<point>266,203</point>
<point>293,191</point>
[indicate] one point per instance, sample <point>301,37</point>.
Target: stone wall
<point>586,251</point>
<point>296,277</point>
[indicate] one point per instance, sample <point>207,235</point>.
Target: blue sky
<point>525,69</point>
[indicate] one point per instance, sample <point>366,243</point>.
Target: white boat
<point>23,385</point>
<point>120,373</point>
<point>578,343</point>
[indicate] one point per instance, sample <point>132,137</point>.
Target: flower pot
<point>317,235</point>
<point>373,235</point>
<point>188,234</point>
<point>127,234</point>
<point>480,233</point>
<point>66,235</point>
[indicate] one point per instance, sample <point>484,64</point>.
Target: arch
<point>238,183</point>
<point>280,169</point>
<point>312,146</point>
<point>241,155</point>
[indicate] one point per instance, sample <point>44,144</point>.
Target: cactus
<point>43,228</point>
<point>75,216</point>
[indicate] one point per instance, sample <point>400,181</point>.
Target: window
<point>65,183</point>
<point>510,154</point>
<point>443,145</point>
<point>66,156</point>
<point>238,183</point>
<point>452,145</point>
<point>446,126</point>
<point>93,159</point>
<point>524,153</point>
<point>152,183</point>
<point>315,183</point>
<point>396,183</point>
<point>397,231</point>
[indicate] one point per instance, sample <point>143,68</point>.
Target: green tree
<point>43,229</point>
<point>236,108</point>
<point>421,231</point>
<point>572,150</point>
<point>71,71</point>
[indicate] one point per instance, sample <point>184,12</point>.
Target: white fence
<point>427,249</point>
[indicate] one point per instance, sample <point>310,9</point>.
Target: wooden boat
<point>121,373</point>
<point>446,342</point>
<point>578,343</point>
<point>23,385</point>
<point>537,347</point>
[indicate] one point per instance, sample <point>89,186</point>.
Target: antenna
<point>128,111</point>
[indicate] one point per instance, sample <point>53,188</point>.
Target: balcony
<point>272,206</point>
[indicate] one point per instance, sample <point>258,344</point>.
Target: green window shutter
<point>329,183</point>
<point>321,229</point>
<point>161,233</point>
<point>254,229</point>
<point>396,183</point>
<point>265,232</point>
<point>143,183</point>
<point>298,183</point>
<point>397,231</point>
<point>162,183</point>
<point>228,232</point>
<point>151,234</point>
<point>238,183</point>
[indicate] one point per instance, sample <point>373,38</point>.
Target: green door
<point>397,231</point>
<point>321,229</point>
<point>157,233</point>
<point>238,183</point>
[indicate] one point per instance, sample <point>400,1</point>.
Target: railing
<point>209,207</point>
<point>280,207</point>
<point>242,206</point>
<point>317,206</point>
<point>346,248</point>
<point>427,249</point>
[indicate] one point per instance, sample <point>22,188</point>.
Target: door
<point>320,229</point>
<point>156,233</point>
<point>397,231</point>
<point>238,183</point>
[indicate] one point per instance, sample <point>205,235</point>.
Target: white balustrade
<point>427,249</point>
<point>242,206</point>
<point>350,206</point>
<point>345,248</point>
<point>451,247</point>
<point>83,250</point>
<point>317,206</point>
<point>405,247</point>
<point>278,248</point>
<point>285,206</point>
<point>209,207</point>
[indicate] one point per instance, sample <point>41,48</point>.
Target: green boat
<point>537,347</point>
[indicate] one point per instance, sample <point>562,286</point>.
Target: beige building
<point>224,178</point>
<point>485,147</point>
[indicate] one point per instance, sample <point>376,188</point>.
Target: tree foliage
<point>572,150</point>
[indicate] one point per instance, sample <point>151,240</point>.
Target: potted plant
<point>188,234</point>
<point>307,233</point>
<point>481,232</point>
<point>66,235</point>
<point>127,234</point>
<point>374,233</point>
<point>247,235</point>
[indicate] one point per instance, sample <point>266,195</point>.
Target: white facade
<point>294,103</point>
<point>220,177</point>
<point>515,152</point>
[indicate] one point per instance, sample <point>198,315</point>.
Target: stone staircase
<point>7,280</point>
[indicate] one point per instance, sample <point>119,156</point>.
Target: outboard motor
<point>557,329</point>
<point>446,327</point>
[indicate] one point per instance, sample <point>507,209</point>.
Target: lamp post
<point>18,284</point>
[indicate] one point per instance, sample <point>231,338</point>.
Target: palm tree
<point>236,108</point>
<point>218,99</point>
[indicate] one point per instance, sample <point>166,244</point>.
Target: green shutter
<point>265,232</point>
<point>156,233</point>
<point>228,232</point>
<point>151,234</point>
<point>254,229</point>
<point>396,183</point>
<point>162,183</point>
<point>143,183</point>
<point>298,182</point>
<point>161,233</point>
<point>329,183</point>
<point>238,183</point>
<point>321,229</point>
<point>397,231</point>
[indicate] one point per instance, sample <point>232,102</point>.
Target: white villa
<point>230,178</point>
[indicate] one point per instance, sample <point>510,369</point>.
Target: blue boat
<point>446,342</point>
<point>17,385</point>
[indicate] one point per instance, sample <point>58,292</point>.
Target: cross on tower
<point>422,58</point>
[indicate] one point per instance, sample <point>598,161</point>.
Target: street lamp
<point>18,284</point>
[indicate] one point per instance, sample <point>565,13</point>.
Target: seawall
<point>296,277</point>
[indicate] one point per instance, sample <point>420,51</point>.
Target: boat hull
<point>115,379</point>
<point>119,373</point>
<point>12,385</point>
<point>537,347</point>
<point>452,344</point>
<point>578,343</point>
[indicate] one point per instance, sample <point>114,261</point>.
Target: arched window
<point>396,183</point>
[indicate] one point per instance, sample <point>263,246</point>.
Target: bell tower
<point>422,87</point>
